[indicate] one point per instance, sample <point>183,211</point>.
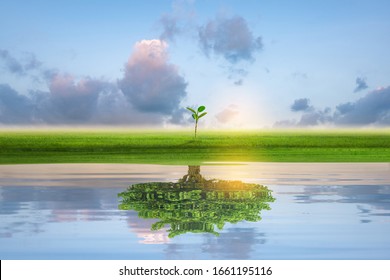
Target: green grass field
<point>180,147</point>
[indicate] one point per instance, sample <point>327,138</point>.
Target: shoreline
<point>266,173</point>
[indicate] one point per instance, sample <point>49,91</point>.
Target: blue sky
<point>254,64</point>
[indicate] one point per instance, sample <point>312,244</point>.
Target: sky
<point>253,63</point>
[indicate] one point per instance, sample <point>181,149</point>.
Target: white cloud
<point>228,114</point>
<point>151,83</point>
<point>230,38</point>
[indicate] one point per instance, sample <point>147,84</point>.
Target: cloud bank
<point>170,26</point>
<point>300,105</point>
<point>230,38</point>
<point>70,100</point>
<point>149,93</point>
<point>373,109</point>
<point>179,21</point>
<point>360,84</point>
<point>14,108</point>
<point>19,66</point>
<point>151,83</point>
<point>228,114</point>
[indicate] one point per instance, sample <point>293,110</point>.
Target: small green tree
<point>195,204</point>
<point>196,115</point>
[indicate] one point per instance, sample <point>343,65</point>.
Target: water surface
<point>323,211</point>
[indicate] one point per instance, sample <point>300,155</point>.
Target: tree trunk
<point>193,175</point>
<point>196,127</point>
<point>193,170</point>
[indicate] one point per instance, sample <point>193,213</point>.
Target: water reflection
<point>370,201</point>
<point>141,228</point>
<point>60,217</point>
<point>29,210</point>
<point>375,196</point>
<point>195,204</point>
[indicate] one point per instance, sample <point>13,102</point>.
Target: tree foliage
<point>194,204</point>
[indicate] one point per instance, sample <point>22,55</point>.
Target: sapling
<point>196,115</point>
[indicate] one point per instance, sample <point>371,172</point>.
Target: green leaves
<point>201,115</point>
<point>197,206</point>
<point>201,108</point>
<point>192,110</point>
<point>196,115</point>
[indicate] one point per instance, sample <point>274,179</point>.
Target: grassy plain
<point>180,147</point>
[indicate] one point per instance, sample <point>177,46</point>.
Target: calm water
<point>58,215</point>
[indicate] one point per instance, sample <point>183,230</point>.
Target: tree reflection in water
<point>194,204</point>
